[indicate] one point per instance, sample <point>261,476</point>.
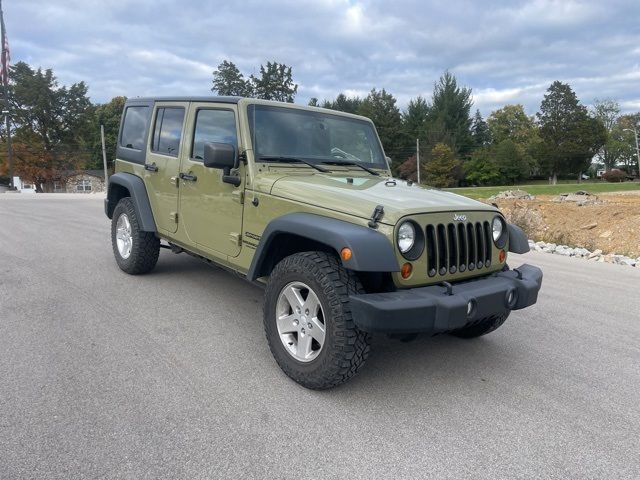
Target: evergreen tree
<point>481,168</point>
<point>342,103</point>
<point>381,108</point>
<point>274,83</point>
<point>480,132</point>
<point>227,80</point>
<point>449,114</point>
<point>570,137</point>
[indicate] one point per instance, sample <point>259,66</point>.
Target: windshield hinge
<point>377,214</point>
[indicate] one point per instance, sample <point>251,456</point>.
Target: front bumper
<point>436,309</point>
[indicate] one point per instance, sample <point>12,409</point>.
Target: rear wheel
<point>308,321</point>
<point>135,251</point>
<point>484,326</point>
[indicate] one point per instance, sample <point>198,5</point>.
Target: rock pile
<point>595,256</point>
<point>580,197</point>
<point>512,195</point>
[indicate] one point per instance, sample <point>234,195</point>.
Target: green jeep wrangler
<point>302,201</point>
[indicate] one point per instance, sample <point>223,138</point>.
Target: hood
<point>360,197</point>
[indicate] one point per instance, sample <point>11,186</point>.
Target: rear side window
<point>167,130</point>
<point>134,127</point>
<point>213,126</point>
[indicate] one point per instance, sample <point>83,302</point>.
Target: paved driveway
<point>168,375</point>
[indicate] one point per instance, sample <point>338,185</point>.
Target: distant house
<point>23,187</point>
<point>86,181</point>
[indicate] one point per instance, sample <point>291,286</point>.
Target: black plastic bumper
<point>434,309</point>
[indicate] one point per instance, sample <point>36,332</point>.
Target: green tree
<point>481,168</point>
<point>441,167</point>
<point>274,83</point>
<point>53,131</point>
<point>449,114</point>
<point>613,150</point>
<point>107,114</point>
<point>624,128</point>
<point>414,120</point>
<point>570,137</point>
<point>511,123</point>
<point>511,163</point>
<point>381,108</point>
<point>313,102</point>
<point>480,132</point>
<point>227,80</point>
<point>342,103</point>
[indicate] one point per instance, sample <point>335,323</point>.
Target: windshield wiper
<point>276,158</point>
<point>348,164</point>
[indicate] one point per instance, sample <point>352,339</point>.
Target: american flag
<point>5,59</point>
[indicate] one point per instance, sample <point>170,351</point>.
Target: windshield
<point>314,136</point>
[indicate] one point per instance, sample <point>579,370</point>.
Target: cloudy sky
<point>507,52</point>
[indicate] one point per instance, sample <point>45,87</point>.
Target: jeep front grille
<point>457,247</point>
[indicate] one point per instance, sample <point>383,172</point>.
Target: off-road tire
<point>484,326</point>
<point>345,348</point>
<point>145,247</point>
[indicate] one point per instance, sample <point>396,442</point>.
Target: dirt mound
<point>512,195</point>
<point>612,224</point>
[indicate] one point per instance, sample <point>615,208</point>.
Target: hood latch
<point>377,214</point>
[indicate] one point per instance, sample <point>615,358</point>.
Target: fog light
<point>406,270</point>
<point>346,254</point>
<point>502,256</point>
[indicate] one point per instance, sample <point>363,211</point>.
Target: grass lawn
<point>598,187</point>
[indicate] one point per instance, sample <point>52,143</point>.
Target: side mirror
<point>222,155</point>
<point>219,155</point>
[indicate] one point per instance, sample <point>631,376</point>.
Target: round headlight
<point>499,229</point>
<point>406,237</point>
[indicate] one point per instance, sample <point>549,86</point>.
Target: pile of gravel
<point>512,195</point>
<point>580,197</point>
<point>595,256</point>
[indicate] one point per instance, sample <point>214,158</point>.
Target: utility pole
<point>104,157</point>
<point>418,159</point>
<point>5,85</point>
<point>635,132</point>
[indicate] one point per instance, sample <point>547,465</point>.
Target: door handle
<point>187,177</point>
<point>151,167</point>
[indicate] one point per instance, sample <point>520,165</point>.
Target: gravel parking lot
<point>168,375</point>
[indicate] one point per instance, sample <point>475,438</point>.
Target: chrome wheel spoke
<point>294,297</point>
<point>287,324</point>
<point>311,305</point>
<point>317,330</point>
<point>303,348</point>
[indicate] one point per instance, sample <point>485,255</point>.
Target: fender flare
<point>138,194</point>
<point>372,251</point>
<point>518,242</point>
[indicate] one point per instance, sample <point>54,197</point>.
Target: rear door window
<point>167,130</point>
<point>134,127</point>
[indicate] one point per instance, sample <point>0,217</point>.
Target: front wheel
<point>135,251</point>
<point>308,321</point>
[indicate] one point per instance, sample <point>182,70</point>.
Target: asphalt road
<point>168,375</point>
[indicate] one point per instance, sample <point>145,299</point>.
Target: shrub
<point>614,175</point>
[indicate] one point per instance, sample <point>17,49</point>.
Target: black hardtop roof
<point>210,98</point>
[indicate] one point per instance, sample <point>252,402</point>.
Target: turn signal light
<point>502,256</point>
<point>406,270</point>
<point>346,254</point>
